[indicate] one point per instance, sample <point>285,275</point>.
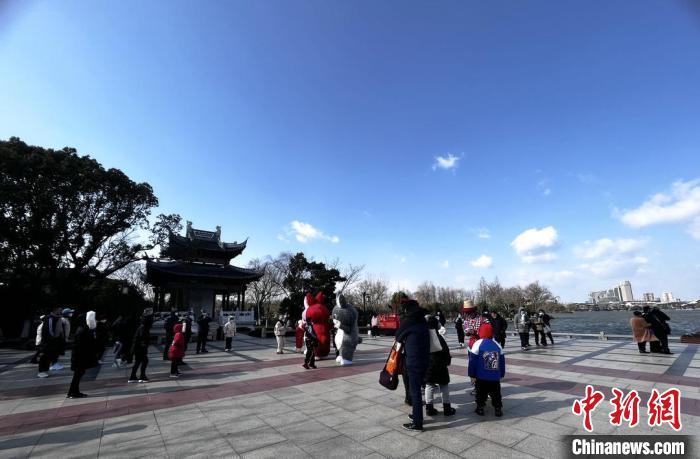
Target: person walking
<point>641,332</point>
<point>547,321</point>
<point>413,334</point>
<point>169,326</point>
<point>537,325</point>
<point>280,331</point>
<point>499,325</point>
<point>203,332</point>
<point>437,377</point>
<point>177,349</point>
<point>66,315</point>
<point>142,339</point>
<point>459,326</point>
<point>522,326</point>
<point>229,332</point>
<point>487,366</point>
<point>84,355</point>
<point>51,335</point>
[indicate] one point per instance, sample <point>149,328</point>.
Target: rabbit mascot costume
<point>347,336</point>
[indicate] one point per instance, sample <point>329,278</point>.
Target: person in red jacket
<point>177,351</point>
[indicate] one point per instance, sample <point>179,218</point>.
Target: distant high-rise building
<point>626,291</point>
<point>649,297</point>
<point>667,297</point>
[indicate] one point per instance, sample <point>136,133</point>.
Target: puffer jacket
<point>177,349</point>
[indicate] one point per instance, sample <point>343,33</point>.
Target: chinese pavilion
<point>194,269</point>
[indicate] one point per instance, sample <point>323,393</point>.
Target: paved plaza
<point>255,403</point>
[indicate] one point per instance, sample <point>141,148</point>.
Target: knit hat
<point>468,306</point>
<point>485,331</point>
<point>410,306</point>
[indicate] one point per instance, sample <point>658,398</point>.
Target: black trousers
<point>485,389</point>
<point>228,342</point>
<point>550,337</point>
<point>642,346</point>
<point>173,366</point>
<point>540,336</point>
<point>166,345</point>
<point>524,339</point>
<point>75,382</point>
<point>201,342</point>
<point>663,340</point>
<point>310,358</point>
<point>49,355</point>
<point>415,383</point>
<point>502,341</point>
<point>140,361</point>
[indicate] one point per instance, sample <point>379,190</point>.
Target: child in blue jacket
<point>487,366</point>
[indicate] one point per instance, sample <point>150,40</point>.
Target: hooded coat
<point>348,335</point>
<point>439,361</point>
<point>177,349</point>
<point>84,354</point>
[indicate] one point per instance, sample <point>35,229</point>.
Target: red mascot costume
<point>319,315</point>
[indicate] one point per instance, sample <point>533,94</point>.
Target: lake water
<point>617,322</point>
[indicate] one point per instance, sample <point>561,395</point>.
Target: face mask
<point>541,314</point>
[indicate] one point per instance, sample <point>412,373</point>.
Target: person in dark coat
<point>128,332</point>
<point>657,318</point>
<point>142,339</point>
<point>547,321</point>
<point>459,326</point>
<point>169,327</point>
<point>51,339</point>
<point>84,354</point>
<point>499,325</point>
<point>187,329</point>
<point>437,375</point>
<point>101,337</point>
<point>413,334</point>
<point>203,332</point>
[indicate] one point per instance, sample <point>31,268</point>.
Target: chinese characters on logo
<point>661,408</point>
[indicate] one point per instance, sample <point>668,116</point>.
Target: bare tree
<point>351,273</point>
<point>426,294</point>
<point>537,295</point>
<point>135,275</point>
<point>268,287</point>
<point>376,293</point>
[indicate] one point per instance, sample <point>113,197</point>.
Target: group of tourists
<point>540,324</point>
<point>651,326</point>
<point>427,357</point>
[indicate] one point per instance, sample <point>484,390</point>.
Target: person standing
<point>641,332</point>
<point>203,332</point>
<point>229,332</point>
<point>51,335</point>
<point>500,325</point>
<point>459,326</point>
<point>187,329</point>
<point>142,339</point>
<point>472,322</point>
<point>280,330</point>
<point>101,338</point>
<point>374,323</point>
<point>487,366</point>
<point>176,352</point>
<point>413,334</point>
<point>547,321</point>
<point>169,327</point>
<point>437,376</point>
<point>537,325</point>
<point>66,315</point>
<point>311,342</point>
<point>84,355</point>
<point>657,319</point>
<point>522,326</point>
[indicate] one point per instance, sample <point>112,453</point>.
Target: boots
<point>430,410</point>
<point>448,410</point>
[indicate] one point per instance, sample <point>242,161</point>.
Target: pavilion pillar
<point>243,298</point>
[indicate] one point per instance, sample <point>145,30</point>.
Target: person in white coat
<point>280,331</point>
<point>229,332</point>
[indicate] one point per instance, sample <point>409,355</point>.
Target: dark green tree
<point>65,221</point>
<point>304,276</point>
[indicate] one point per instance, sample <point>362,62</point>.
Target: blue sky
<point>392,134</point>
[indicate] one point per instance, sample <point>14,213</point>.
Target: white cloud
<point>282,238</point>
<point>305,232</point>
<point>445,264</point>
<point>681,204</point>
<point>542,186</point>
<point>484,261</point>
<point>585,178</point>
<point>547,192</point>
<point>400,258</point>
<point>446,162</point>
<point>481,233</point>
<point>536,245</point>
<point>605,246</point>
<point>613,266</point>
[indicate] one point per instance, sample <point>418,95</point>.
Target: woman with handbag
<point>413,333</point>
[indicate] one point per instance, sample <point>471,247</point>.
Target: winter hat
<point>410,306</point>
<point>67,312</point>
<point>468,306</point>
<point>485,331</point>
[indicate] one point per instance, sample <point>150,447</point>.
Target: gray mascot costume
<point>345,321</point>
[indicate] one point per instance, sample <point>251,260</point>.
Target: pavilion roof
<point>158,271</point>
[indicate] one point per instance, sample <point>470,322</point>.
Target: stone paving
<point>254,403</point>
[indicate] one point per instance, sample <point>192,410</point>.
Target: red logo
<point>587,405</point>
<point>665,407</point>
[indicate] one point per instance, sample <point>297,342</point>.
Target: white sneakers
<point>56,366</point>
<point>43,374</point>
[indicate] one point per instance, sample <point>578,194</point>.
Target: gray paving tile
<point>395,444</point>
<point>543,428</point>
<point>542,447</point>
<point>502,435</point>
<point>338,447</point>
<point>284,450</point>
<point>489,450</point>
<point>249,440</point>
<point>307,433</point>
<point>360,430</point>
<point>435,453</point>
